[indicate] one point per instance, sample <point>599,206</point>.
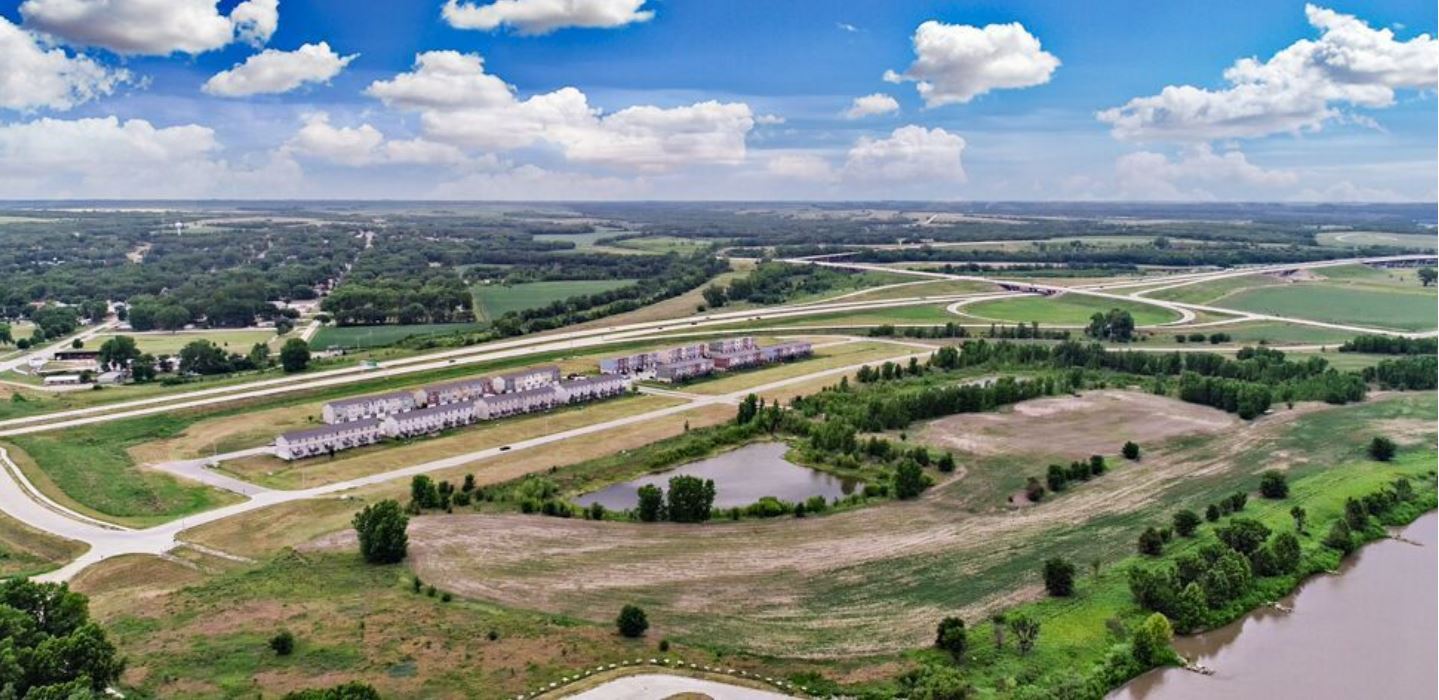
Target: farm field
<point>1359,239</point>
<point>495,300</point>
<point>666,244</point>
<point>239,341</point>
<point>1410,310</point>
<point>1067,309</point>
<point>375,336</point>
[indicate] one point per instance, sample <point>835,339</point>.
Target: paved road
<point>656,686</point>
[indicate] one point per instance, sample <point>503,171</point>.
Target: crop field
<point>495,300</point>
<point>1409,310</point>
<point>872,581</point>
<point>1067,309</point>
<point>1359,239</point>
<point>238,341</point>
<point>361,337</point>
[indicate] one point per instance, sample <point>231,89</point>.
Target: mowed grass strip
<point>1411,311</point>
<point>495,300</point>
<point>90,471</point>
<point>238,341</point>
<point>1067,309</point>
<point>377,336</point>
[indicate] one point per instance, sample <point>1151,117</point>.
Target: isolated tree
<point>1300,516</point>
<point>1033,490</point>
<point>952,637</point>
<point>423,492</point>
<point>295,355</point>
<point>748,410</point>
<point>1059,577</point>
<point>1340,537</point>
<point>381,530</point>
<point>1097,465</point>
<point>1190,608</point>
<point>909,480</point>
<point>1026,632</point>
<point>1131,450</point>
<point>1211,513</point>
<point>283,644</point>
<point>1186,522</point>
<point>1238,500</point>
<point>259,355</point>
<point>1056,478</point>
<point>651,503</point>
<point>1381,449</point>
<point>1356,516</point>
<point>1426,276</point>
<point>690,499</point>
<point>945,463</point>
<point>714,296</point>
<point>632,622</point>
<point>6,337</point>
<point>1273,484</point>
<point>1150,642</point>
<point>354,690</point>
<point>1151,543</point>
<point>49,647</point>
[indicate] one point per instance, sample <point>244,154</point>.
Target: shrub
<point>1151,543</point>
<point>1150,642</point>
<point>1212,513</point>
<point>1186,522</point>
<point>951,636</point>
<point>1131,451</point>
<point>1273,484</point>
<point>1340,537</point>
<point>283,643</point>
<point>632,622</point>
<point>1382,449</point>
<point>1059,577</point>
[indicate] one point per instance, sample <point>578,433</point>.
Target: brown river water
<point>1368,632</point>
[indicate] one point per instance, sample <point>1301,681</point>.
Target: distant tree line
<point>1391,345</point>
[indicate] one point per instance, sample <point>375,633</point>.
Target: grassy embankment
<point>360,621</point>
<point>1068,309</point>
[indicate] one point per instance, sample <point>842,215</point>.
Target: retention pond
<point>1367,632</point>
<point>741,477</point>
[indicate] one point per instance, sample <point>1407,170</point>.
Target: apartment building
<point>729,345</point>
<point>526,379</point>
<point>327,439</point>
<point>786,351</point>
<point>461,391</point>
<point>365,407</point>
<point>684,369</point>
<point>517,402</point>
<point>738,358</point>
<point>593,388</point>
<point>423,421</point>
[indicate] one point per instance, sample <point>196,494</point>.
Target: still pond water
<point>741,477</point>
<point>1369,632</point>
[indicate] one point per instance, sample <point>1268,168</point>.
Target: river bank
<point>1367,631</point>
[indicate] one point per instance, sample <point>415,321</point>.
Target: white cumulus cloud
<point>152,27</point>
<point>1298,89</point>
<point>909,153</point>
<point>272,71</point>
<point>34,76</point>
<point>462,105</point>
<point>954,63</point>
<point>1198,173</point>
<point>870,105</point>
<point>545,16</point>
<point>318,138</point>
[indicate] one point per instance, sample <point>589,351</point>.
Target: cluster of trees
<point>776,282</point>
<point>49,646</point>
<point>426,494</point>
<point>1411,373</point>
<point>893,405</point>
<point>423,295</point>
<point>1021,331</point>
<point>689,500</point>
<point>1116,326</point>
<point>381,531</point>
<point>1059,477</point>
<point>1091,255</point>
<point>1213,338</point>
<point>1390,345</point>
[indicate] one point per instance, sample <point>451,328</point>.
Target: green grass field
<point>379,336</point>
<point>1406,310</point>
<point>1069,309</point>
<point>1357,239</point>
<point>495,300</point>
<point>170,343</point>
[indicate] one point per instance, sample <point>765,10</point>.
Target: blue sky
<point>671,99</point>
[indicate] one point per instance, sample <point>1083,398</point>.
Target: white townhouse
<point>729,345</point>
<point>592,388</point>
<point>525,379</point>
<point>517,402</point>
<point>423,421</point>
<point>684,369</point>
<point>326,439</point>
<point>786,351</point>
<point>460,391</point>
<point>645,361</point>
<point>373,406</point>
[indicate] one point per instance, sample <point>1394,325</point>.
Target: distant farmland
<point>494,300</point>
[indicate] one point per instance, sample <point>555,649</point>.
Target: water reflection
<point>1369,632</point>
<point>741,477</point>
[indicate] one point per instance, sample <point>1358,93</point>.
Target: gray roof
<point>404,395</point>
<point>549,369</point>
<point>459,384</point>
<point>298,435</point>
<point>435,410</point>
<point>527,393</point>
<point>589,381</point>
<point>685,363</point>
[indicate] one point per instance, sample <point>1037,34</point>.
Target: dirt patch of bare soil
<point>1073,427</point>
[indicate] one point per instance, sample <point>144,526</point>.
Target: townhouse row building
<point>328,439</point>
<point>460,391</point>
